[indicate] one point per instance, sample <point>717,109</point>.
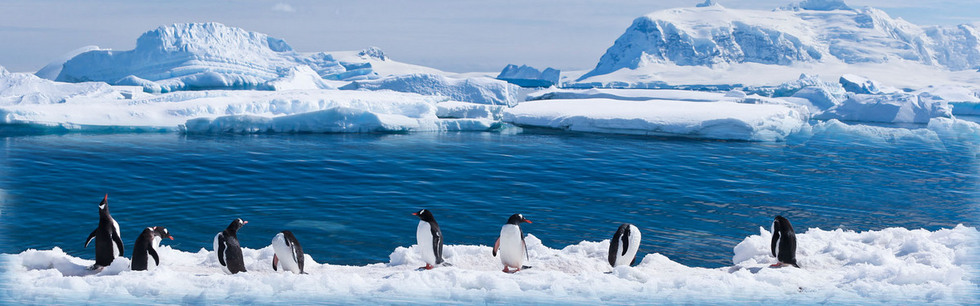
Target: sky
<point>452,35</point>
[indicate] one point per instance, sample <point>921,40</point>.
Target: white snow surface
<point>890,108</point>
<point>53,69</point>
<point>711,120</point>
<point>28,89</point>
<point>890,266</point>
<point>475,90</point>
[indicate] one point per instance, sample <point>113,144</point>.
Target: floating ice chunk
<point>859,132</point>
<point>476,90</point>
<point>895,107</point>
<point>454,109</point>
<point>859,84</point>
<point>527,76</point>
<point>713,120</point>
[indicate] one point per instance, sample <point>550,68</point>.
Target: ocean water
<point>349,197</point>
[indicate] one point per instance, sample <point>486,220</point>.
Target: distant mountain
<point>194,56</point>
<point>813,31</point>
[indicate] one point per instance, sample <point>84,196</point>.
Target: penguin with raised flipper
<point>228,250</point>
<point>511,245</point>
<point>429,238</point>
<point>783,245</point>
<point>623,246</point>
<point>288,253</point>
<point>108,242</point>
<point>145,247</point>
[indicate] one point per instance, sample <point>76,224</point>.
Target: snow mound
<point>859,84</point>
<point>299,77</point>
<point>892,108</point>
<point>475,90</point>
<point>25,88</point>
<point>711,120</point>
<point>893,265</point>
<point>527,76</point>
<point>196,56</point>
<point>53,69</point>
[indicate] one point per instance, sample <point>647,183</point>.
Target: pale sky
<point>452,35</point>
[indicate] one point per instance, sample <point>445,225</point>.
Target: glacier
<point>892,265</point>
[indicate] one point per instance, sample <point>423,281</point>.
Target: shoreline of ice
<point>888,265</point>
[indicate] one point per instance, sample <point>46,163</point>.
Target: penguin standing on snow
<point>228,250</point>
<point>289,253</point>
<point>623,246</point>
<point>429,238</point>
<point>145,246</point>
<point>783,242</point>
<point>510,243</point>
<point>108,242</point>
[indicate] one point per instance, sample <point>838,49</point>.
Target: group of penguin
<point>510,244</point>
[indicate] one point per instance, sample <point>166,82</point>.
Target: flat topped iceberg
<point>710,120</point>
<point>893,265</point>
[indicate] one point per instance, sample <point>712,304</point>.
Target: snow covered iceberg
<point>25,88</point>
<point>527,76</point>
<point>196,56</point>
<point>711,120</point>
<point>893,265</point>
<point>475,90</point>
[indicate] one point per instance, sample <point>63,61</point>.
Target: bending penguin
<point>289,253</point>
<point>108,242</point>
<point>228,250</point>
<point>623,246</point>
<point>429,238</point>
<point>783,242</point>
<point>513,250</point>
<point>146,244</point>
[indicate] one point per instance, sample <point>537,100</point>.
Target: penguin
<point>146,245</point>
<point>108,242</point>
<point>623,246</point>
<point>510,243</point>
<point>783,242</point>
<point>228,250</point>
<point>289,253</point>
<point>429,238</point>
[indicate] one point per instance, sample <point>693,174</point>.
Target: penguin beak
<point>528,221</point>
<point>244,222</point>
<point>415,214</point>
<point>171,237</point>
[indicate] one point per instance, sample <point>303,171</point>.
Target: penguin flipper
<point>221,251</point>
<point>773,246</point>
<point>90,237</point>
<point>496,246</point>
<point>118,241</point>
<point>154,254</point>
<point>626,241</point>
<point>437,244</point>
<point>275,260</point>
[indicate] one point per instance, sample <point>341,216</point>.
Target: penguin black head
<point>517,219</point>
<point>162,232</point>
<point>425,215</point>
<point>104,205</point>
<point>781,224</point>
<point>235,225</point>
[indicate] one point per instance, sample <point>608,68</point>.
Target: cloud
<point>283,7</point>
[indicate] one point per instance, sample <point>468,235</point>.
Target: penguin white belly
<point>223,267</point>
<point>424,237</point>
<point>286,255</point>
<point>511,246</point>
<point>156,242</point>
<point>634,245</point>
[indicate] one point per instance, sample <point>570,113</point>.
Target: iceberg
<point>28,89</point>
<point>526,76</point>
<point>890,108</point>
<point>892,265</point>
<point>712,120</point>
<point>475,90</point>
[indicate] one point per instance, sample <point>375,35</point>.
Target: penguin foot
<point>95,268</point>
<point>427,267</point>
<point>776,265</point>
<point>507,270</point>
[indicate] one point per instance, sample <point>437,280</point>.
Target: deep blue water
<point>349,198</point>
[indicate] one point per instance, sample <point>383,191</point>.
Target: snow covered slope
<point>25,88</point>
<point>743,46</point>
<point>890,266</point>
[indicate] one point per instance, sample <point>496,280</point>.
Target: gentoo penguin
<point>108,242</point>
<point>783,242</point>
<point>429,237</point>
<point>228,250</point>
<point>288,253</point>
<point>145,246</point>
<point>623,246</point>
<point>511,244</point>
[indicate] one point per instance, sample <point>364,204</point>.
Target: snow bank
<point>893,265</point>
<point>713,120</point>
<point>476,90</point>
<point>25,88</point>
<point>527,76</point>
